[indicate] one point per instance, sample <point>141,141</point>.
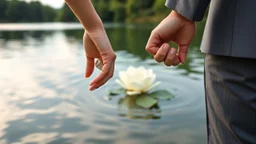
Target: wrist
<point>176,14</point>
<point>96,28</point>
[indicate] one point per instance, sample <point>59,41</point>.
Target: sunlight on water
<point>45,97</point>
<point>38,26</point>
<point>49,26</point>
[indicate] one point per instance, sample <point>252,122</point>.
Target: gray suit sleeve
<point>191,9</point>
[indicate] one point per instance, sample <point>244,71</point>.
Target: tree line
<point>109,11</point>
<point>20,11</point>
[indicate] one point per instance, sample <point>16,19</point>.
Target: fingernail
<point>166,46</point>
<point>172,51</point>
<point>92,88</point>
<point>92,83</point>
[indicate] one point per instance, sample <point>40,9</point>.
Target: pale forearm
<point>85,12</point>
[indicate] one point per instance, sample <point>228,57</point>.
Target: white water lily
<point>137,80</point>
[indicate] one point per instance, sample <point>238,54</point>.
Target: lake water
<point>45,97</point>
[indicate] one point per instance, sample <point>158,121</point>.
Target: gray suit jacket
<point>231,25</point>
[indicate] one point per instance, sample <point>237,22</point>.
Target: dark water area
<point>45,97</point>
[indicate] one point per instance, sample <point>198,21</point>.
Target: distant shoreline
<point>50,26</point>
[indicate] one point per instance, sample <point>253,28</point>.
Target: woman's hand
<point>95,40</point>
<point>97,46</point>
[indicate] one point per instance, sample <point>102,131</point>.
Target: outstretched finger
<point>89,67</point>
<point>103,81</point>
<point>104,73</point>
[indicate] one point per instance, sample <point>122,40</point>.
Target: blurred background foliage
<point>109,10</point>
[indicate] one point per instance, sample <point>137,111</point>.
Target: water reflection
<point>45,99</point>
<point>127,107</point>
<point>21,35</point>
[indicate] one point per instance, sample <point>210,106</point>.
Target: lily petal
<point>131,69</point>
<point>137,79</point>
<point>136,86</point>
<point>153,86</point>
<point>133,92</point>
<point>146,83</point>
<point>124,78</point>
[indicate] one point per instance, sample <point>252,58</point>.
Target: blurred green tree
<point>3,8</point>
<point>160,8</point>
<point>36,13</point>
<point>139,8</point>
<point>108,10</point>
<point>132,9</point>
<point>49,14</point>
<point>66,15</point>
<point>20,11</point>
<point>13,12</point>
<point>118,9</point>
<point>102,8</point>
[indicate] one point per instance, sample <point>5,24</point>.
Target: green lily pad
<point>116,92</point>
<point>161,94</point>
<point>145,101</point>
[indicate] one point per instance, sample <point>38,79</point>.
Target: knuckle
<point>114,57</point>
<point>168,63</point>
<point>147,48</point>
<point>162,55</point>
<point>175,63</point>
<point>104,73</point>
<point>170,58</point>
<point>153,32</point>
<point>157,59</point>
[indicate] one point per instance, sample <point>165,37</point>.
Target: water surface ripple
<point>45,97</point>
